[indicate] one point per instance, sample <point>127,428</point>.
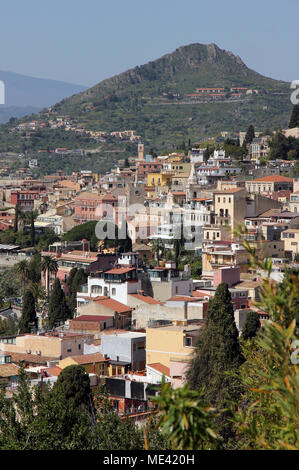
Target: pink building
<point>229,275</point>
<point>24,199</point>
<point>94,206</point>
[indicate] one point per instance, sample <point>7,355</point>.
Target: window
<point>96,289</point>
<point>188,341</point>
<point>113,291</point>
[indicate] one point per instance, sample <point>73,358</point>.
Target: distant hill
<point>26,95</point>
<point>152,98</point>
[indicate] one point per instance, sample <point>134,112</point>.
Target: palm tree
<point>49,265</point>
<point>23,272</point>
<point>38,293</point>
<point>157,248</point>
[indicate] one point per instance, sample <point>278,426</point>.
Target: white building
<point>116,283</point>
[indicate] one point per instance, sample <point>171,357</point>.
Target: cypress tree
<point>250,135</point>
<point>76,278</point>
<point>28,318</point>
<point>32,229</point>
<point>58,308</point>
<point>294,121</point>
<point>16,221</point>
<point>218,357</point>
<point>251,325</point>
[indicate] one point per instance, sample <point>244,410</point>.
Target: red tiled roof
<point>112,304</point>
<point>54,371</point>
<point>160,368</point>
<point>89,358</point>
<point>183,298</point>
<point>274,179</point>
<point>9,370</point>
<point>196,293</point>
<point>94,318</point>
<point>31,358</point>
<point>119,270</point>
<point>145,298</point>
<point>228,191</point>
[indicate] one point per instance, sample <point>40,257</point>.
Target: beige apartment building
<point>269,184</point>
<point>291,241</point>
<point>171,343</point>
<point>56,345</point>
<point>230,207</point>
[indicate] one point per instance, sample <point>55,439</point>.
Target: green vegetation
<point>283,148</point>
<point>58,311</point>
<point>294,121</point>
<point>28,320</point>
<point>185,419</point>
<point>68,417</point>
<point>218,357</point>
<point>9,326</point>
<point>250,135</point>
<point>77,277</point>
<point>251,325</point>
<point>134,100</point>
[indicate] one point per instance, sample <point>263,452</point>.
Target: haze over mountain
<point>24,95</point>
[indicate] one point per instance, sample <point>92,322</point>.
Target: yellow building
<point>230,207</point>
<point>215,256</point>
<point>159,179</point>
<point>179,167</point>
<point>174,342</point>
<point>92,363</point>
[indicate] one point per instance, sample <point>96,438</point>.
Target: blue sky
<point>88,40</point>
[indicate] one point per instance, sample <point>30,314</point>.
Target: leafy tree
<point>81,231</point>
<point>28,318</point>
<point>74,384</point>
<point>251,326</point>
<point>185,419</point>
<point>9,325</point>
<point>294,121</point>
<point>268,416</point>
<point>157,248</point>
<point>58,309</point>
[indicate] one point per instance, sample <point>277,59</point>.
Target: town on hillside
<point>117,272</point>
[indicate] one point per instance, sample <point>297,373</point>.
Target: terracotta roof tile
<point>112,304</point>
<point>273,179</point>
<point>8,370</point>
<point>160,368</point>
<point>145,298</point>
<point>89,358</point>
<point>94,318</point>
